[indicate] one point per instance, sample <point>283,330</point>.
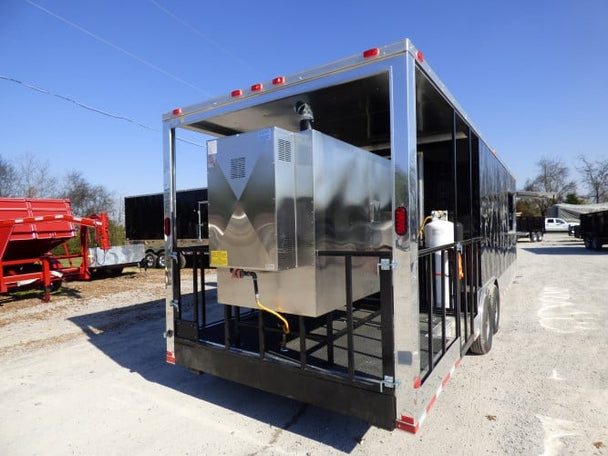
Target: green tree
<point>527,208</point>
<point>572,198</point>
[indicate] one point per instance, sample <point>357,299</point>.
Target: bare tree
<point>34,178</point>
<point>595,178</point>
<point>552,178</point>
<point>8,179</point>
<point>86,199</point>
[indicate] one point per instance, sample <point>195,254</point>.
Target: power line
<point>89,107</point>
<point>118,48</point>
<point>201,34</point>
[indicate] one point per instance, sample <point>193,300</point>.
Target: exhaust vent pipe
<point>307,118</point>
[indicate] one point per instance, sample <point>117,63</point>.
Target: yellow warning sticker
<point>219,258</point>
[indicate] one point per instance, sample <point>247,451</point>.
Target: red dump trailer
<point>30,229</point>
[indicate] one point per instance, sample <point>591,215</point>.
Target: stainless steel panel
<point>405,275</point>
<point>273,207</point>
<point>116,255</point>
<point>251,199</point>
<point>169,209</point>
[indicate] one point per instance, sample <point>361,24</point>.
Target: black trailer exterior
<point>384,357</point>
<point>594,229</point>
<point>144,216</point>
<point>531,227</point>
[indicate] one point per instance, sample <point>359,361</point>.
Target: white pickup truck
<point>556,224</point>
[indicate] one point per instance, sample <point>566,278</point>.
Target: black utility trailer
<point>594,229</point>
<point>530,227</point>
<point>144,223</point>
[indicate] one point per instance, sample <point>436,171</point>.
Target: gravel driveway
<point>85,375</point>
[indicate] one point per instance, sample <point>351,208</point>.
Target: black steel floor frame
<point>306,385</point>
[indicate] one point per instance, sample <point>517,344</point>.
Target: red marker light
<point>278,80</point>
<point>401,221</point>
<point>257,87</point>
<point>177,111</point>
<point>419,56</point>
<point>374,52</point>
<point>170,357</point>
<point>236,93</point>
<point>167,226</point>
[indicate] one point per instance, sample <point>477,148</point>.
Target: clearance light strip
<point>280,80</point>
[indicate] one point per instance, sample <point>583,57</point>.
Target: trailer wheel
<point>149,260</point>
<point>539,236</point>
<point>596,244</point>
<point>494,308</point>
<point>587,242</point>
<point>160,260</point>
<point>483,343</point>
<point>181,262</point>
<point>532,236</point>
<point>56,285</point>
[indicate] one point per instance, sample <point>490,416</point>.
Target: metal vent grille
<point>237,168</point>
<point>284,150</point>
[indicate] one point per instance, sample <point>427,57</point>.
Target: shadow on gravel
<point>562,250</point>
<point>133,337</point>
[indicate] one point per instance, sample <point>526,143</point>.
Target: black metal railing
<point>354,341</point>
<point>384,310</point>
<point>449,277</point>
<point>191,309</point>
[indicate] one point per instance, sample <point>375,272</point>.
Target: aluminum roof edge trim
<point>386,51</point>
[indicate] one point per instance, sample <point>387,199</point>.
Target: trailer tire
<point>587,242</point>
<point>483,343</point>
<point>539,236</point>
<point>160,260</point>
<point>494,296</point>
<point>149,260</point>
<point>596,244</point>
<point>181,261</point>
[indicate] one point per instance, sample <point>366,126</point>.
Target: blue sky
<point>532,75</point>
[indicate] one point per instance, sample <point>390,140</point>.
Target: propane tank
<point>440,231</point>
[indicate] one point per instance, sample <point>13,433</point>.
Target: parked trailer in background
<point>594,229</point>
<point>33,245</point>
<point>30,229</point>
<point>144,223</point>
<point>530,227</point>
<point>362,231</point>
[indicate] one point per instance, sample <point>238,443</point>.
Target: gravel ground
<point>85,375</point>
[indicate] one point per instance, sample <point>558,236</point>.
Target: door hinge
<point>389,382</point>
<point>386,264</point>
